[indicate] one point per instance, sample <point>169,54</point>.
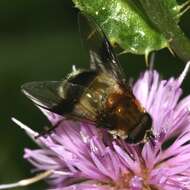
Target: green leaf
<point>140,26</point>
<point>125,24</point>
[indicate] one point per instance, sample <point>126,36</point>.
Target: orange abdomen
<point>124,111</point>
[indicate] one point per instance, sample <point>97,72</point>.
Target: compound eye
<point>141,130</point>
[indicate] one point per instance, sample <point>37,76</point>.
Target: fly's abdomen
<point>130,119</point>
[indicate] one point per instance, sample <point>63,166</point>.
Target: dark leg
<point>48,131</point>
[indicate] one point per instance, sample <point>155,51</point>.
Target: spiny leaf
<point>127,24</point>
<point>124,24</point>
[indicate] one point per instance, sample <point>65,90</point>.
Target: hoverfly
<point>99,94</point>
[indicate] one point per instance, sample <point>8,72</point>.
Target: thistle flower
<point>80,157</point>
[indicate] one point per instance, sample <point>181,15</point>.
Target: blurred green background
<point>39,40</point>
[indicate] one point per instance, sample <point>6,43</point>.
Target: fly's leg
<point>47,131</point>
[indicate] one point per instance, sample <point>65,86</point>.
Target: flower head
<point>82,157</point>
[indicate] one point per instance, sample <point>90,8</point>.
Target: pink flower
<point>81,158</point>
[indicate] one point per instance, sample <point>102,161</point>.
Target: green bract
<point>125,24</point>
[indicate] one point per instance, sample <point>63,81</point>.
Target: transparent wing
<point>43,94</point>
<point>63,98</point>
<point>102,56</point>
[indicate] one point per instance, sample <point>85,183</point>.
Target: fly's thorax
<point>94,96</point>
